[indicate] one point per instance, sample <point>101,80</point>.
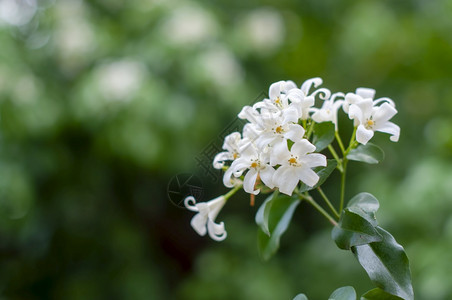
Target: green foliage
<point>300,297</point>
<point>378,294</point>
<point>387,265</point>
<point>323,135</point>
<point>275,221</point>
<point>343,293</point>
<point>379,254</point>
<point>369,153</point>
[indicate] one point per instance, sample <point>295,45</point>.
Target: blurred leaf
<point>343,293</point>
<point>264,211</point>
<point>300,297</point>
<point>280,215</point>
<point>378,294</point>
<point>323,135</point>
<point>387,265</point>
<point>323,172</point>
<point>369,153</point>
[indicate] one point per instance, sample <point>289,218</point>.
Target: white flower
<point>305,100</point>
<point>358,96</point>
<point>279,101</point>
<point>232,144</point>
<point>257,162</point>
<point>328,112</point>
<point>204,221</point>
<point>296,165</point>
<point>370,118</point>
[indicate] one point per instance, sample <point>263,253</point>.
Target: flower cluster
<point>274,149</point>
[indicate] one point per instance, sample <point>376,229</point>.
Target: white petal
<point>355,113</point>
<point>227,178</point>
<point>275,89</point>
<point>365,93</point>
<point>217,232</point>
<point>308,176</point>
<point>302,147</point>
<point>315,160</point>
<point>290,114</point>
<point>363,135</point>
<point>350,99</point>
<point>279,153</point>
<point>220,158</point>
<point>392,129</point>
<point>286,179</point>
<point>190,203</point>
<point>306,86</point>
<point>266,175</point>
<point>214,206</point>
<point>384,113</point>
<point>295,132</point>
<point>198,222</point>
<point>249,181</point>
<point>288,85</point>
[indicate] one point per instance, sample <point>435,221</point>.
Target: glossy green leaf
<point>323,172</point>
<point>365,205</point>
<point>323,135</point>
<point>369,153</point>
<point>279,218</point>
<point>357,225</point>
<point>354,230</point>
<point>264,211</point>
<point>379,294</point>
<point>300,297</point>
<point>343,293</point>
<point>387,265</point>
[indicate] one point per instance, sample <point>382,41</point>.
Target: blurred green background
<point>103,102</point>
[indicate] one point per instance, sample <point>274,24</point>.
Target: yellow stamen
<point>369,123</point>
<point>235,155</point>
<point>254,165</point>
<point>292,161</point>
<point>279,129</point>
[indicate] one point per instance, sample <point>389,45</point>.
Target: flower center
<point>369,124</point>
<point>254,164</point>
<point>278,101</point>
<point>293,162</point>
<point>235,155</point>
<point>279,129</point>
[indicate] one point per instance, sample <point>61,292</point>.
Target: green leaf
<point>279,217</point>
<point>323,135</point>
<point>387,265</point>
<point>357,225</point>
<point>379,294</point>
<point>300,297</point>
<point>365,205</point>
<point>323,172</point>
<point>343,293</point>
<point>369,153</point>
<point>264,211</point>
<point>354,230</point>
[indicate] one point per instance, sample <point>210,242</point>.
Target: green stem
<point>232,192</point>
<point>328,202</point>
<point>352,143</point>
<point>319,208</point>
<point>339,141</point>
<point>311,127</point>
<point>336,157</point>
<point>343,177</point>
